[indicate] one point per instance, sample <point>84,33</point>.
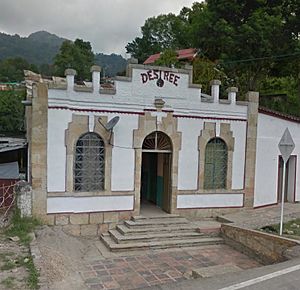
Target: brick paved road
<point>158,267</point>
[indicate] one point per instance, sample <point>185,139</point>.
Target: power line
<point>261,58</point>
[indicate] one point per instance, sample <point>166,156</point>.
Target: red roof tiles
<point>182,54</point>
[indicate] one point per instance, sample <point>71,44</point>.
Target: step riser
<point>153,225</point>
<point>151,239</point>
<point>153,218</point>
<point>130,231</point>
<point>184,245</point>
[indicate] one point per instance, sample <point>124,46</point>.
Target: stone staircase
<point>158,232</point>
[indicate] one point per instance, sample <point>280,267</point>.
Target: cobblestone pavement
<point>158,267</point>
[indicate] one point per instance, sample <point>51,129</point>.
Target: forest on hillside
<point>37,52</point>
<point>254,45</point>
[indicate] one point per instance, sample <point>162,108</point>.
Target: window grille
<point>215,170</point>
<point>89,163</point>
<point>157,141</point>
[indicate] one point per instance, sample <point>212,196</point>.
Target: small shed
<point>9,175</point>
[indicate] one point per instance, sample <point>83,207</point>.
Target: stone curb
<point>37,261</point>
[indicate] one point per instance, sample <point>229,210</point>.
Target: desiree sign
<point>160,76</point>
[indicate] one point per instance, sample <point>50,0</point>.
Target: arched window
<point>89,163</point>
<point>157,141</point>
<point>215,170</point>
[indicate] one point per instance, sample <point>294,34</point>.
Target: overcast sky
<point>108,24</point>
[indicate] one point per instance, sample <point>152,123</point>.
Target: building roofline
<point>279,115</point>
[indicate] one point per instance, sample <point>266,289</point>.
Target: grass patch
<point>291,228</point>
<point>8,282</point>
<point>33,277</point>
<point>21,227</point>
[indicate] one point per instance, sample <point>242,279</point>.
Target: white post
<point>282,198</point>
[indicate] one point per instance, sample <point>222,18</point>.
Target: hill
<point>111,64</point>
<point>40,48</point>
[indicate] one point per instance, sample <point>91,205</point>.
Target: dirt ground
<point>13,257</point>
<point>63,257</point>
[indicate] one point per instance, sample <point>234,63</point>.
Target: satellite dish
<point>112,123</point>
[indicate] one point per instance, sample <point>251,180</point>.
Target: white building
<point>188,154</point>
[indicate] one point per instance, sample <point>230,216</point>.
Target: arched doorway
<point>156,170</point>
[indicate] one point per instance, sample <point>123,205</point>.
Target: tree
<point>168,58</point>
<point>158,34</point>
<point>11,69</point>
<point>12,112</point>
<point>77,55</point>
<point>242,36</point>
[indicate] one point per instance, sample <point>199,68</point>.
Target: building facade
<point>97,155</point>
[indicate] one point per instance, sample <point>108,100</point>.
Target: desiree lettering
<point>160,76</point>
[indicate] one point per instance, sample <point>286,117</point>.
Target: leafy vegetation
<point>290,228</point>
<point>111,64</point>
<point>38,48</point>
<point>12,69</point>
<point>12,112</point>
<point>77,55</point>
<point>238,41</point>
<point>37,52</point>
<point>22,227</point>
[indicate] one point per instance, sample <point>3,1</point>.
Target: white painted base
<point>89,204</point>
<point>210,200</point>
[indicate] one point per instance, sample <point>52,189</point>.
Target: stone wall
<point>88,224</point>
<point>264,247</point>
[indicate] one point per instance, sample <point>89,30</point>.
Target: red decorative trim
<point>278,115</point>
<point>210,118</point>
<point>142,113</point>
<point>214,207</point>
<point>94,110</point>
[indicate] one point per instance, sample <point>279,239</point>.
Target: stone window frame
<point>219,145</point>
<point>146,125</point>
<point>76,128</point>
<point>87,161</point>
<point>207,133</point>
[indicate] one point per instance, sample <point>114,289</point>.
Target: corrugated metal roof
<point>10,144</point>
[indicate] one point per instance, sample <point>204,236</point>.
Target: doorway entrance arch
<point>156,170</point>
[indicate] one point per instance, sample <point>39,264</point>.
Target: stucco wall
<point>56,158</point>
<point>188,167</point>
<point>270,131</point>
<point>123,158</point>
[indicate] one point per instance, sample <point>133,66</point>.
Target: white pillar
<point>95,70</point>
<point>232,94</point>
<point>70,74</point>
<point>215,90</point>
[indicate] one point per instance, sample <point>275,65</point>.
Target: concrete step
<point>125,230</point>
<point>156,222</point>
<point>154,217</point>
<point>155,236</point>
<point>174,243</point>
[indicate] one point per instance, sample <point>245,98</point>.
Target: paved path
<point>283,276</point>
<point>159,267</point>
<point>256,218</point>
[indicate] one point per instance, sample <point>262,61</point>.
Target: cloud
<point>108,25</point>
